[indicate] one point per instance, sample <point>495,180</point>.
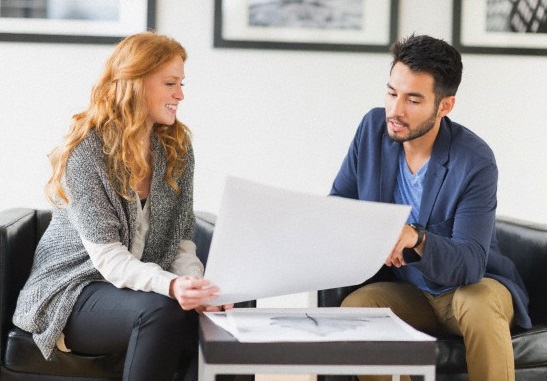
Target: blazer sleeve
<point>345,183</point>
<point>456,249</point>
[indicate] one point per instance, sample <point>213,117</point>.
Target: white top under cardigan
<point>124,269</point>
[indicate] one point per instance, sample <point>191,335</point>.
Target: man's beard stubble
<point>418,131</point>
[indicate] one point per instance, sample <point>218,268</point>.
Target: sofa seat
<point>22,355</point>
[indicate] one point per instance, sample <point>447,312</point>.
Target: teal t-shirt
<point>409,191</point>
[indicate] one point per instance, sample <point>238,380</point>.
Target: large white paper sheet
<point>271,242</point>
<point>259,325</point>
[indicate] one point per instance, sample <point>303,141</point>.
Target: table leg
<point>429,374</point>
<point>204,372</point>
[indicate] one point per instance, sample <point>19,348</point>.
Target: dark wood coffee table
<point>221,353</point>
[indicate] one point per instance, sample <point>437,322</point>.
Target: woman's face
<point>163,92</point>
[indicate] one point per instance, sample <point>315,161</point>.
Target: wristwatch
<point>421,233</point>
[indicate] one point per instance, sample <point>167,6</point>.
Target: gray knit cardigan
<point>62,267</point>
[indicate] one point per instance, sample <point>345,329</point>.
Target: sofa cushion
<point>22,355</point>
<point>530,347</point>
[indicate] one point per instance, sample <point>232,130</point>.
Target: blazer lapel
<point>436,171</point>
<point>390,163</point>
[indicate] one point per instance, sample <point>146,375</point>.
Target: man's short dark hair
<point>425,54</point>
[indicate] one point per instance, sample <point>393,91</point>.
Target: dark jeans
<point>152,329</point>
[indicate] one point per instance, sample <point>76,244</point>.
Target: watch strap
<point>421,233</point>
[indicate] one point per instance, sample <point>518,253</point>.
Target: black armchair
<point>526,244</point>
<point>21,360</point>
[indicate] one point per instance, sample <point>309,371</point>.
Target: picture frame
<point>92,22</point>
<point>500,27</point>
<point>343,26</point>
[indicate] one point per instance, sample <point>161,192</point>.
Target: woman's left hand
<point>192,292</point>
<point>207,308</point>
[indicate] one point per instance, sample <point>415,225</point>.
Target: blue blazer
<point>458,206</point>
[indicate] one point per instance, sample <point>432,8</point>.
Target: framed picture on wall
<point>325,25</point>
<point>500,26</point>
<point>74,21</point>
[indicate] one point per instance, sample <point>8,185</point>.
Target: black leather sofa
<point>21,360</point>
<point>526,244</point>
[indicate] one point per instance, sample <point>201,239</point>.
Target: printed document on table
<point>253,325</point>
<point>270,242</point>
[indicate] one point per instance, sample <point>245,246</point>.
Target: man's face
<point>411,111</point>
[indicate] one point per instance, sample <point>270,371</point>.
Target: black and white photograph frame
<point>500,26</point>
<point>75,21</point>
<point>322,25</point>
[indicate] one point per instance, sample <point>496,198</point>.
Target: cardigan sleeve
<point>121,268</point>
<point>95,210</point>
<point>186,262</point>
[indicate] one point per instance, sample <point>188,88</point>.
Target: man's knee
<point>362,297</point>
<point>483,301</point>
<point>379,294</point>
<point>353,300</point>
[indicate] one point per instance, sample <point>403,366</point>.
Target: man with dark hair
<point>445,273</point>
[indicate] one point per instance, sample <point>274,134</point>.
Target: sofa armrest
<point>333,297</point>
<point>205,224</point>
<point>525,243</point>
<point>203,234</point>
<point>17,244</point>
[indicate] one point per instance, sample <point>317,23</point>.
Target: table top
<point>220,347</point>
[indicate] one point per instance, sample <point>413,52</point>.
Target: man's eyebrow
<point>416,95</point>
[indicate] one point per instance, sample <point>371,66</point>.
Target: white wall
<point>283,118</point>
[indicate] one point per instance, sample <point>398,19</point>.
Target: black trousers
<point>153,330</point>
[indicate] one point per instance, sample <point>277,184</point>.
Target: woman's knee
<point>164,317</point>
<point>156,308</point>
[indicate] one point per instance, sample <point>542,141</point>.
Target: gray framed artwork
<point>74,21</point>
<point>500,26</point>
<point>323,25</point>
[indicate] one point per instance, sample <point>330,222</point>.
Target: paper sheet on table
<point>258,325</point>
<point>270,242</point>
